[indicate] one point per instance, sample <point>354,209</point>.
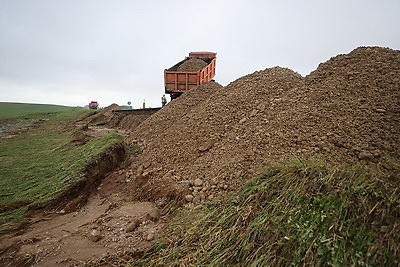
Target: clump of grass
<point>134,149</point>
<point>101,123</point>
<point>302,213</point>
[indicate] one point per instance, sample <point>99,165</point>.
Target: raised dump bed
<point>197,68</point>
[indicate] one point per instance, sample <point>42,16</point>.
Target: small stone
<point>94,235</point>
<point>189,198</point>
<point>197,188</point>
<point>147,164</point>
<point>198,182</point>
<point>380,110</point>
<point>153,215</point>
<point>132,226</point>
<point>243,120</point>
<point>377,153</point>
<point>214,181</point>
<point>140,170</point>
<point>365,155</point>
<point>205,147</point>
<point>196,199</point>
<point>150,236</point>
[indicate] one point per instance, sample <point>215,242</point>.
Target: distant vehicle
<point>178,82</point>
<point>93,105</point>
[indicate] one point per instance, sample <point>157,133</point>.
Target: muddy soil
<point>12,128</point>
<point>91,220</point>
<point>107,224</point>
<point>94,218</point>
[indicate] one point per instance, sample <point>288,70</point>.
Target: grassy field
<point>21,110</point>
<point>37,165</point>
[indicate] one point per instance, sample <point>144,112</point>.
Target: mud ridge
<point>77,195</point>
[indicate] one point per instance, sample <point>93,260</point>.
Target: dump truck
<point>93,105</point>
<point>197,68</point>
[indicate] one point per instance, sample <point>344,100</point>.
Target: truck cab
<point>93,105</point>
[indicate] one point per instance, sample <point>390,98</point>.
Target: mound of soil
<point>106,115</point>
<point>345,111</point>
<point>192,65</point>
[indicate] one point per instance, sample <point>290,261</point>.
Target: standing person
<point>144,104</point>
<point>163,100</point>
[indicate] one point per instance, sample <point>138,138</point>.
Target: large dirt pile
<point>345,111</point>
<point>355,101</point>
<point>192,65</point>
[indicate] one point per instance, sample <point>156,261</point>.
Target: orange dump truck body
<point>178,82</point>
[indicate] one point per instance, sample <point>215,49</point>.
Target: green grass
<point>38,165</point>
<point>21,110</point>
<point>301,213</point>
<point>134,149</point>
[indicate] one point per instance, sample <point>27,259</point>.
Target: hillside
<point>9,110</point>
<point>272,169</point>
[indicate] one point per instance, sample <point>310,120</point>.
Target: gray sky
<point>70,52</point>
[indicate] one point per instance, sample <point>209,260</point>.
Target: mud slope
<point>345,111</point>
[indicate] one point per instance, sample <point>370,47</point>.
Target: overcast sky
<point>70,52</point>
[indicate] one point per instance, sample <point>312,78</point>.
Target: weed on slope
<point>302,214</point>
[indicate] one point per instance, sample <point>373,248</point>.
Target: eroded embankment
<point>77,195</point>
<point>73,199</point>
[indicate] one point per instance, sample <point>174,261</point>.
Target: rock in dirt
<point>133,225</point>
<point>198,182</point>
<point>95,235</point>
<point>149,236</point>
<point>140,170</point>
<point>365,155</point>
<point>197,199</point>
<point>189,198</point>
<point>153,215</point>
